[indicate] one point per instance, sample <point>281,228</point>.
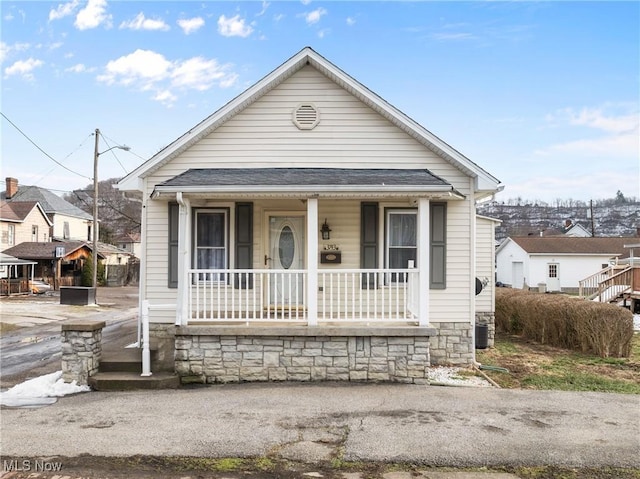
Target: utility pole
<point>593,224</point>
<point>95,211</point>
<point>96,154</point>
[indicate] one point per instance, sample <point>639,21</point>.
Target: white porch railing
<point>344,295</point>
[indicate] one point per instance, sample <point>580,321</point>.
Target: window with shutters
<point>210,242</point>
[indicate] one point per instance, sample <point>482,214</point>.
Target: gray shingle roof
<point>50,202</point>
<point>304,177</point>
<point>33,250</point>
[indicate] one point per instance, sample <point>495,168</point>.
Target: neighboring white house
<point>556,262</point>
<point>69,223</point>
<point>315,231</point>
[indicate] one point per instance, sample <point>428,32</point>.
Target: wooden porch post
<point>424,241</point>
<point>312,261</point>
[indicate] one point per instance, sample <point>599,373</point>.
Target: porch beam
<point>312,261</point>
<point>424,238</point>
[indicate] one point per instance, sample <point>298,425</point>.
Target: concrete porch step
<point>129,381</point>
<point>123,360</point>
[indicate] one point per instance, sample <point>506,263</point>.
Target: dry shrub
<point>571,323</point>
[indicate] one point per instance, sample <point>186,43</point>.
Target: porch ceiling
<point>304,182</point>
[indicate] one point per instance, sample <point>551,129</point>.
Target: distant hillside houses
<point>609,220</point>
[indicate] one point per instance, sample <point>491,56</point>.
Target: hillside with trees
<point>618,216</point>
<point>118,213</point>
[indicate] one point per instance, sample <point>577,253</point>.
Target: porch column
<point>312,261</point>
<point>424,252</point>
<point>184,240</point>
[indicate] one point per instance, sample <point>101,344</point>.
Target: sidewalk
<point>317,423</point>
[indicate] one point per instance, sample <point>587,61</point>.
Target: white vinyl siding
<point>349,135</point>
<point>485,263</point>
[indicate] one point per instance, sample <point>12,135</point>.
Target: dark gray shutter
<point>244,244</point>
<point>438,246</point>
<point>173,227</point>
<point>369,242</point>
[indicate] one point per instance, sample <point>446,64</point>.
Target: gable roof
<point>307,56</point>
<point>314,180</point>
<point>568,245</point>
<point>40,250</point>
<point>50,202</point>
<point>17,211</point>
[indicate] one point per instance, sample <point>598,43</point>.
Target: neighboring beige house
<point>130,242</point>
<point>22,221</point>
<point>69,223</point>
<point>316,232</point>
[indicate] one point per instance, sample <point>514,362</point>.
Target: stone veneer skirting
<point>226,354</point>
<point>452,345</point>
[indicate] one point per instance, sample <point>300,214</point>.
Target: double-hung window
<point>401,239</point>
<point>211,242</point>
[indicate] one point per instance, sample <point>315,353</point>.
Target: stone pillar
<point>81,350</point>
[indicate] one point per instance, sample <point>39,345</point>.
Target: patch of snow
<point>450,376</point>
<point>40,391</point>
<point>636,322</point>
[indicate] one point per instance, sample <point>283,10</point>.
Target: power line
<point>114,153</point>
<point>44,152</point>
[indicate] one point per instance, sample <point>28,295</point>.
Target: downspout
<point>183,252</point>
<point>472,268</point>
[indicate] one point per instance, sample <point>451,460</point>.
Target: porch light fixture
<point>325,230</point>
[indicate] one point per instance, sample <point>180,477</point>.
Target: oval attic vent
<point>306,116</point>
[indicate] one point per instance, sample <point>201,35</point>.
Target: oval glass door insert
<point>286,247</point>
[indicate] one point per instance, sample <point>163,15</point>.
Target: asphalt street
<point>431,425</point>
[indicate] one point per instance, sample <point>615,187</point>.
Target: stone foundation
<point>453,344</point>
<point>81,350</point>
<point>490,320</point>
<point>224,354</point>
<point>163,338</point>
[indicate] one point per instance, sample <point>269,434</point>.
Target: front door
<point>286,253</point>
<point>553,277</point>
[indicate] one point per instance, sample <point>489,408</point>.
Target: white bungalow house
<point>555,263</point>
<point>309,230</point>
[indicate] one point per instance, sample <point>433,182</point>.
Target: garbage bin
<point>482,336</point>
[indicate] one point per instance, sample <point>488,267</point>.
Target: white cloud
<point>190,25</point>
<point>197,73</point>
<point>140,67</point>
<point>6,50</point>
<point>305,2</point>
<point>143,23</point>
<point>93,15</point>
<point>64,10</point>
<point>616,134</point>
<point>265,5</point>
<point>23,68</point>
<point>452,36</point>
<point>233,27</point>
<point>314,16</point>
<point>278,17</point>
<point>351,21</point>
<point>146,70</point>
<point>79,68</point>
<point>324,32</point>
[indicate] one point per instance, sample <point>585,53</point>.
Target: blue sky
<point>543,95</point>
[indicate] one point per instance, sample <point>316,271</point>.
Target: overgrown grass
<point>535,366</point>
